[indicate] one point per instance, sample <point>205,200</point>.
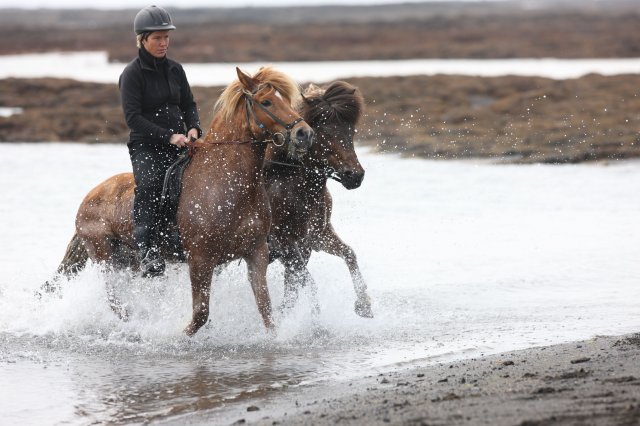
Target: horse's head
<point>334,113</point>
<point>268,96</point>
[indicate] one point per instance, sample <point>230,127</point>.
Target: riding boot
<point>151,263</point>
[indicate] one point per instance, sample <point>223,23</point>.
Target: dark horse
<point>300,200</point>
<point>223,213</point>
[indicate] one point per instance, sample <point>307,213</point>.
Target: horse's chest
<point>232,218</point>
<point>294,217</point>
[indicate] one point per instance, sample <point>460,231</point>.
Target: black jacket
<point>156,99</point>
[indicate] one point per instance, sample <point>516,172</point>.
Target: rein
<point>326,172</point>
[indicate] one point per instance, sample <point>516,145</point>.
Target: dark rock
<point>544,390</point>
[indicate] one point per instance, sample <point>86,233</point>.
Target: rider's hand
<point>192,133</point>
<point>178,140</point>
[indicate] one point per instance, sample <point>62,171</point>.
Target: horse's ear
<point>311,88</point>
<point>247,82</point>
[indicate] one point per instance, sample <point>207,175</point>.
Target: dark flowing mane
<point>339,103</point>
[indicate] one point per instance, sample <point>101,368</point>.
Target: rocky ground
<point>516,119</point>
<point>593,382</point>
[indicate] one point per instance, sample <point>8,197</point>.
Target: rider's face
<point>157,43</point>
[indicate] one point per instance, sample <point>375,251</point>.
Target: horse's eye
<point>266,103</point>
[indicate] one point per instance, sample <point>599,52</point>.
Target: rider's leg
<point>149,167</point>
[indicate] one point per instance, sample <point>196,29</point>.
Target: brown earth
<point>522,119</point>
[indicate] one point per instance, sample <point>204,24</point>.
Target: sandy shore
<point>592,382</point>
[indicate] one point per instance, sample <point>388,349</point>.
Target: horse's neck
<point>301,177</point>
<point>302,182</point>
<point>314,181</point>
<point>227,145</point>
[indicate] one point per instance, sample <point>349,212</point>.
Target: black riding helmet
<point>152,18</point>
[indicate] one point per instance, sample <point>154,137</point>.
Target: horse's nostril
<point>351,179</point>
<point>304,136</point>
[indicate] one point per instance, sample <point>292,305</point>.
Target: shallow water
<point>461,258</point>
<point>95,67</point>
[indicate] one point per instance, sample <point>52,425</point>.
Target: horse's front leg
<point>257,263</point>
<point>200,272</point>
<point>331,243</point>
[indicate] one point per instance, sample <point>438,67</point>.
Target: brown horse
<point>223,213</point>
<point>300,200</point>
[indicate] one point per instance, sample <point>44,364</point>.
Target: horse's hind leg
<point>103,250</point>
<point>112,281</point>
<point>257,263</point>
<point>296,275</point>
<point>201,272</point>
<point>291,284</point>
<point>122,259</point>
<point>331,243</point>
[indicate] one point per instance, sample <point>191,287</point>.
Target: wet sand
<point>592,382</point>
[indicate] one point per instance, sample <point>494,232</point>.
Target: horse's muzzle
<point>303,138</point>
<point>351,179</point>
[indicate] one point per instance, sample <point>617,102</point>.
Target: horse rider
<point>162,116</point>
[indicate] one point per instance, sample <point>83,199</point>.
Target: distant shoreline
<point>93,67</point>
<point>502,119</point>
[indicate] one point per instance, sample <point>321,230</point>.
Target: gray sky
<point>128,4</point>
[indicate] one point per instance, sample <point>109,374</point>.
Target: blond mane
<point>231,100</point>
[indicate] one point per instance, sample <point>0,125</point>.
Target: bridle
<point>277,138</point>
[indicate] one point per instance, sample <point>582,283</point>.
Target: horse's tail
<point>74,260</point>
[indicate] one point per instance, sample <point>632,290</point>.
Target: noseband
<point>277,138</point>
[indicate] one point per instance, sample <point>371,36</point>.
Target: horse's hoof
<point>272,332</point>
<point>193,328</point>
<point>363,308</point>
